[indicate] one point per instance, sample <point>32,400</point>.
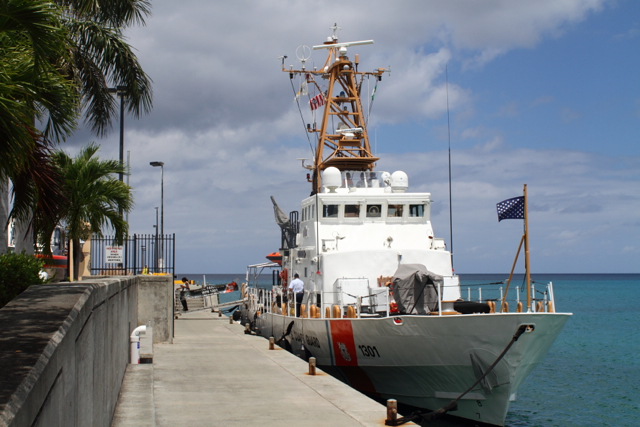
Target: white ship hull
<point>425,361</point>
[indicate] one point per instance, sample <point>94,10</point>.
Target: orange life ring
<point>284,275</point>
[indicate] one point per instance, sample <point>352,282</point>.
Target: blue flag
<point>511,208</point>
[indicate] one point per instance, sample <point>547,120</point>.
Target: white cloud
<point>215,64</point>
<point>568,115</point>
<point>508,110</point>
<point>492,144</point>
<point>225,125</point>
<point>577,201</point>
<point>631,33</point>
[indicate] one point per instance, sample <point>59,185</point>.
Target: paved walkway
<point>215,375</point>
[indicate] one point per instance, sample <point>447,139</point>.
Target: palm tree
<point>95,197</point>
<point>58,60</point>
<point>34,86</point>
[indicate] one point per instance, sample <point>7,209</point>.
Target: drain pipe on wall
<point>134,339</point>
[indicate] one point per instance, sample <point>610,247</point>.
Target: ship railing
<point>266,300</point>
<point>276,300</point>
<point>375,301</point>
<point>353,297</point>
<point>345,304</point>
<point>515,299</point>
<point>339,304</point>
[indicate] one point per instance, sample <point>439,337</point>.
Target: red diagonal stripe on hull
<point>346,358</point>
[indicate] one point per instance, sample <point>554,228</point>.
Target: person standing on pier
<point>297,287</point>
<point>184,287</point>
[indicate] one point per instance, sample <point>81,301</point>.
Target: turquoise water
<point>591,376</point>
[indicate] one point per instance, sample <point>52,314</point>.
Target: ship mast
<point>347,146</point>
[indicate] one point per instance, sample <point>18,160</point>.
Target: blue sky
<point>541,92</point>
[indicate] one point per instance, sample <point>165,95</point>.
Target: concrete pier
<point>215,375</point>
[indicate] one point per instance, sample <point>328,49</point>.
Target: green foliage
<point>95,197</point>
<point>102,58</point>
<point>17,273</point>
<point>57,61</point>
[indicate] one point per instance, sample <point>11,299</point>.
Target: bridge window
<point>394,211</point>
<point>351,211</point>
<point>330,211</point>
<point>373,211</point>
<point>416,211</point>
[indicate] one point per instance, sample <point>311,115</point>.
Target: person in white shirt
<point>297,287</point>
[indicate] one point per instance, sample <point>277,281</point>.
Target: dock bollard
<point>272,343</point>
<point>230,319</point>
<point>312,366</point>
<point>392,412</point>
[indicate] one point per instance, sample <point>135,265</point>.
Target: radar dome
<point>399,182</point>
<point>331,178</point>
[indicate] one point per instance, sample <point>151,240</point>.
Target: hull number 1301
<point>369,351</point>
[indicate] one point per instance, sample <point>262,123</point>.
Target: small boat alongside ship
<point>382,309</point>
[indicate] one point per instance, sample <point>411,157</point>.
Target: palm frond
<point>116,13</point>
<point>95,194</point>
<point>103,57</point>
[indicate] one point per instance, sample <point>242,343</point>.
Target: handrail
<point>263,298</point>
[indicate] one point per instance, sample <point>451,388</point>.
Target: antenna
<point>303,53</point>
<point>345,44</point>
<point>283,57</point>
<point>335,29</point>
<point>446,73</point>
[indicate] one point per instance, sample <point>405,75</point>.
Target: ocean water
<point>591,376</point>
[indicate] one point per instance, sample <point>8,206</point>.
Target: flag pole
<point>526,250</point>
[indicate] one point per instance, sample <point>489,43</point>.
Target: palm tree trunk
<point>77,257</point>
<point>4,215</point>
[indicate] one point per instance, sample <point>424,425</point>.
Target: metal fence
<point>138,254</point>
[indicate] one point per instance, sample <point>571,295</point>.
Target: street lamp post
<point>120,91</point>
<point>161,165</point>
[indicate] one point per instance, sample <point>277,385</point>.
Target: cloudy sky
<point>542,92</point>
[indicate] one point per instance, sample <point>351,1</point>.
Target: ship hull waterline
<point>424,361</point>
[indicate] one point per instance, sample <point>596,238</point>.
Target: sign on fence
<point>137,253</point>
<point>114,254</point>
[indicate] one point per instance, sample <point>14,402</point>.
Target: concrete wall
<point>64,349</point>
<point>155,304</point>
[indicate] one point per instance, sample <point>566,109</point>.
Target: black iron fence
<point>139,254</point>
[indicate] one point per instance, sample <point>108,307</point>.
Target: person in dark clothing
<point>184,287</point>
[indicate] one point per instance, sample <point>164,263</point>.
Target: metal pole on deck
<point>526,249</point>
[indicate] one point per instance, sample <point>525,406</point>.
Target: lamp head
<point>156,164</point>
